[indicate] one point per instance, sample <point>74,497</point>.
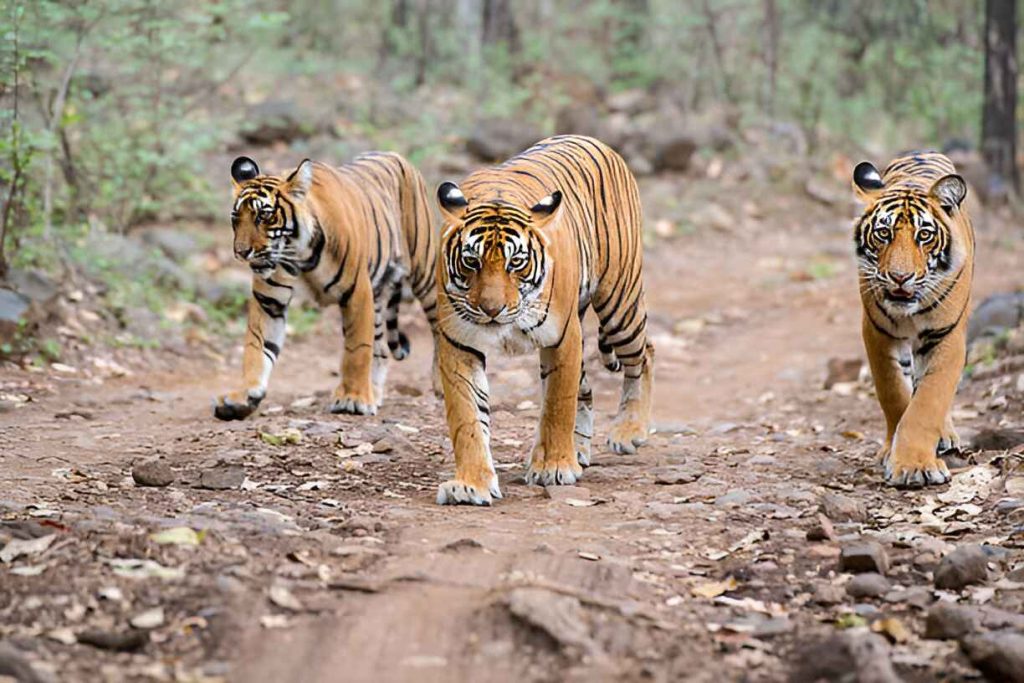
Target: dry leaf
<point>16,548</point>
<point>893,629</point>
<point>713,589</point>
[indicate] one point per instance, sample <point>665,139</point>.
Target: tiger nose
<point>492,308</point>
<point>899,277</point>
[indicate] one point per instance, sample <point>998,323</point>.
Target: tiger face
<point>904,241</point>
<point>495,259</point>
<point>264,216</point>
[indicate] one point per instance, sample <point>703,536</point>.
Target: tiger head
<point>905,237</point>
<point>494,253</point>
<point>265,216</point>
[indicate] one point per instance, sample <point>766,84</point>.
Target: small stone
<point>222,478</point>
<point>734,497</point>
<point>964,566</point>
<point>148,619</point>
<point>676,474</point>
<point>999,655</point>
<point>117,641</point>
<point>563,492</point>
<point>840,508</point>
<point>153,472</point>
<point>827,594</point>
<point>852,655</point>
<point>863,555</point>
<point>868,585</point>
<point>950,621</point>
<point>822,531</point>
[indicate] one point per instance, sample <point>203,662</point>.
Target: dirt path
<point>331,562</point>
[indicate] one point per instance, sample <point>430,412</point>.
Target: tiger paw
<point>627,434</point>
<point>354,404</point>
<point>236,405</point>
<point>949,440</point>
<point>906,468</point>
<point>583,455</point>
<point>459,492</point>
<point>548,470</point>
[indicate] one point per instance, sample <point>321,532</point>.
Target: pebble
<point>734,497</point>
<point>840,508</point>
<point>999,655</point>
<point>676,474</point>
<point>947,621</point>
<point>868,585</point>
<point>964,566</point>
<point>827,594</point>
<point>851,655</point>
<point>863,555</point>
<point>117,641</point>
<point>222,478</point>
<point>153,472</point>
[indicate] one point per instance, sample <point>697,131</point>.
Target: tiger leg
<point>398,343</point>
<point>379,368</point>
<point>355,392</point>
<point>469,426</point>
<point>949,439</point>
<point>890,365</point>
<point>912,461</point>
<point>264,338</point>
<point>554,459</point>
<point>608,358</point>
<point>584,430</point>
<point>426,292</point>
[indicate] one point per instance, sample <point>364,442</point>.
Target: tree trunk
<point>499,25</point>
<point>999,117</point>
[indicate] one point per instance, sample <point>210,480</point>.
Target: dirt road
<point>327,559</point>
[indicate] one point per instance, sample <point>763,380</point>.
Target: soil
<point>327,559</point>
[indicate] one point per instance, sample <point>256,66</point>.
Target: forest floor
<point>325,558</point>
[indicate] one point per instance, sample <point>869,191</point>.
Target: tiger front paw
<point>910,467</point>
<point>551,469</point>
<point>236,405</point>
<point>354,403</point>
<point>627,434</point>
<point>459,492</point>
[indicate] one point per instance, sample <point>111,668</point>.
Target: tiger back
<point>526,248</point>
<point>915,255</point>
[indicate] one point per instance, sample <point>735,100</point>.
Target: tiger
<point>915,260</point>
<point>526,248</point>
<point>354,236</point>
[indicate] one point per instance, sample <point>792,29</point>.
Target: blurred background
<point>119,119</point>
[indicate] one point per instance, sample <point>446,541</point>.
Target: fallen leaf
<point>275,621</point>
<point>578,503</point>
<point>283,598</point>
<point>753,538</point>
<point>893,629</point>
<point>589,556</point>
<point>179,535</point>
<point>970,484</point>
<point>312,486</point>
<point>291,435</point>
<point>30,570</point>
<point>134,568</point>
<point>850,620</point>
<point>713,589</point>
<point>64,635</point>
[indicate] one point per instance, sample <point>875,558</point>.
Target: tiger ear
<point>867,181</point>
<point>950,191</point>
<point>546,209</point>
<point>453,203</point>
<point>243,169</point>
<point>300,182</point>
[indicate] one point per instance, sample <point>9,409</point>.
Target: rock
<point>947,621</point>
<point>964,566</point>
<point>275,121</point>
<point>996,314</point>
<point>563,492</point>
<point>997,439</point>
<point>867,585</point>
<point>674,152</point>
<point>734,497</point>
<point>583,119</point>
<point>175,243</point>
<point>117,641</point>
<point>222,478</point>
<point>822,531</point>
<point>14,314</point>
<point>848,656</point>
<point>561,617</point>
<point>153,472</point>
<point>999,655</point>
<point>827,594</point>
<point>497,139</point>
<point>14,664</point>
<point>33,284</point>
<point>863,555</point>
<point>677,474</point>
<point>843,370</point>
<point>840,508</point>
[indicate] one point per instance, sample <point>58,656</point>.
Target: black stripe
<point>467,349</point>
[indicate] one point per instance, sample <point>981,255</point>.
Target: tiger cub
<point>353,235</point>
<point>915,255</point>
<point>526,248</point>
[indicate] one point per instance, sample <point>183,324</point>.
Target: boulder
<point>996,314</point>
<point>497,139</point>
<point>276,121</point>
